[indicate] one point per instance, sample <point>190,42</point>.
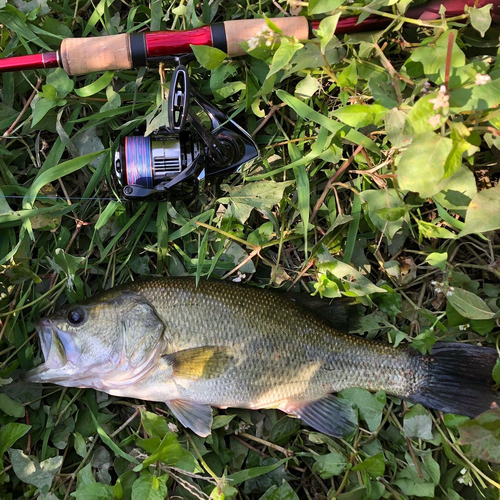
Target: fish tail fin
<point>459,379</point>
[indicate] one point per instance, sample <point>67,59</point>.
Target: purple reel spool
<point>138,158</point>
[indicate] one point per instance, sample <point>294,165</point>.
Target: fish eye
<point>76,316</point>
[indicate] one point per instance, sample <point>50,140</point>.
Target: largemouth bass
<point>227,345</point>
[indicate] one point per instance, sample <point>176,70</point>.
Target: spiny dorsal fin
<point>195,416</point>
<point>200,362</point>
<point>338,313</point>
<point>331,415</point>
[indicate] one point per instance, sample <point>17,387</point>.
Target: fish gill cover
<point>378,182</point>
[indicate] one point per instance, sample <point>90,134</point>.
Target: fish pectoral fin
<point>200,362</point>
<point>195,416</point>
<point>331,415</point>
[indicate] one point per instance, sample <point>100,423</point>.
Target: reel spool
<point>172,161</point>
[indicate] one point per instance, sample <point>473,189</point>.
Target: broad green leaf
<point>469,305</point>
<point>11,407</point>
<point>329,465</point>
<point>417,120</point>
<point>244,198</point>
<point>374,466</point>
<point>149,487</point>
<point>326,30</point>
<point>438,259</point>
<point>155,425</point>
<point>169,451</point>
<point>430,230</point>
<point>396,129</point>
<point>282,56</point>
<point>283,492</point>
<point>307,87</point>
<point>322,6</point>
<point>422,482</point>
<point>483,436</point>
<point>41,106</point>
<point>457,191</point>
<point>361,115</point>
<point>59,79</point>
<point>208,57</point>
<point>433,57</point>
<point>370,406</point>
<point>483,213</point>
<point>421,168</point>
<point>79,443</point>
<point>481,18</point>
<point>29,470</point>
<point>349,76</point>
<point>66,264</point>
<point>355,283</point>
<point>375,200</point>
<point>94,491</point>
<point>221,421</point>
<point>476,97</point>
<point>418,423</point>
<point>9,434</point>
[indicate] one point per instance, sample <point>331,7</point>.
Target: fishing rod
<point>173,160</point>
<point>79,56</point>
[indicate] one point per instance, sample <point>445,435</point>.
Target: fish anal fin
<point>195,416</point>
<point>200,362</point>
<point>330,415</point>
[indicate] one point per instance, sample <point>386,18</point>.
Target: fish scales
<point>283,351</point>
<point>224,345</point>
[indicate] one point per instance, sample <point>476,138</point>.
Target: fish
<point>226,345</point>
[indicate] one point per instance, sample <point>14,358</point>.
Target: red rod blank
<point>32,61</point>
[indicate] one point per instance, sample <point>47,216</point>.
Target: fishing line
<point>72,198</point>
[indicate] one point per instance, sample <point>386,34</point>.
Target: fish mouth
<point>58,349</point>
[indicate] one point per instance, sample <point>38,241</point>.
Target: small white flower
<point>482,79</point>
<point>449,293</point>
<point>434,283</point>
<point>441,100</point>
<point>434,121</point>
<point>427,85</point>
<point>461,480</point>
<point>172,427</point>
<point>253,43</point>
<point>438,290</point>
<point>462,328</point>
<point>239,277</point>
<point>452,288</point>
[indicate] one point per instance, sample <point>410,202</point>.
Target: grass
<point>360,191</point>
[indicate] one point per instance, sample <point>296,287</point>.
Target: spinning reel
<point>172,161</point>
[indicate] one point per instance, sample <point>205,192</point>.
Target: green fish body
<point>226,345</point>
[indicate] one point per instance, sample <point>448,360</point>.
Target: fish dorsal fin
<point>195,416</point>
<point>200,362</point>
<point>331,415</point>
<point>338,313</point>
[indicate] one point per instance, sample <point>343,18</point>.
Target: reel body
<point>170,162</point>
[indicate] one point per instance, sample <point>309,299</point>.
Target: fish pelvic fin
<point>195,416</point>
<point>330,415</point>
<point>200,362</point>
<point>459,379</point>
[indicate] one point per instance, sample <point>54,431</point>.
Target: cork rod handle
<point>244,29</point>
<point>80,56</point>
